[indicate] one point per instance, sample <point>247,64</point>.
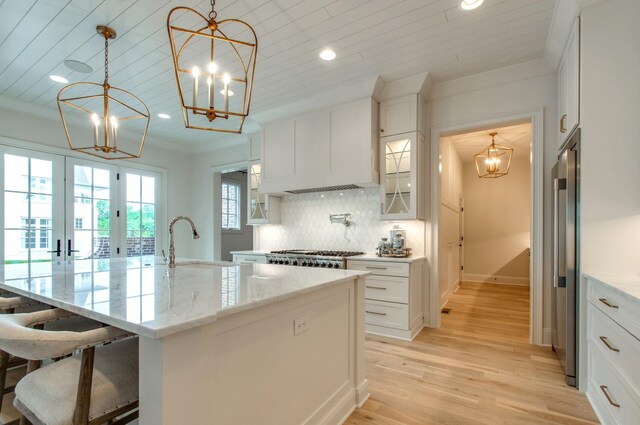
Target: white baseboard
<point>444,298</point>
<point>456,286</point>
<point>547,336</point>
<point>485,278</point>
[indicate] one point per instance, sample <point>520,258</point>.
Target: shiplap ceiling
<point>516,136</point>
<point>390,38</point>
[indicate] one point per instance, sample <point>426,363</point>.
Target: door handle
<point>563,126</point>
<point>58,250</point>
<point>69,250</point>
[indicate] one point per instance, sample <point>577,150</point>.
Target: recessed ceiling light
<point>78,66</point>
<point>59,79</point>
<point>164,116</point>
<point>470,4</point>
<point>328,55</point>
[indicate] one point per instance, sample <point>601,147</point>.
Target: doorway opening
<point>236,235</point>
<point>485,226</point>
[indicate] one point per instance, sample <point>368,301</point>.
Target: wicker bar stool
<point>94,386</point>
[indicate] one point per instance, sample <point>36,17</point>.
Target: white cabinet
<point>393,296</point>
<point>400,176</point>
<point>262,208</point>
<point>249,258</point>
<point>332,147</point>
<point>278,151</point>
<point>613,328</point>
<point>255,146</point>
<point>402,115</point>
<point>569,86</point>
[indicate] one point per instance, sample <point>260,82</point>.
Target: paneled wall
<point>305,223</point>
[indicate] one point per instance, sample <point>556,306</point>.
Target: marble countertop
<point>628,286</point>
<point>143,296</point>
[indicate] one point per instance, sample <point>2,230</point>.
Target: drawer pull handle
<point>376,268</point>
<point>605,391</point>
<point>607,303</point>
<point>376,313</point>
<point>608,344</point>
<point>377,287</point>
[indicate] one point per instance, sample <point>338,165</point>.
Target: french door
<point>32,218</point>
<point>54,207</point>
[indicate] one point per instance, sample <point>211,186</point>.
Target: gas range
<point>311,258</point>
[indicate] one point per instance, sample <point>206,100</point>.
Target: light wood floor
<point>478,368</point>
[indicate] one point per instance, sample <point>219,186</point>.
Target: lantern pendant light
<point>214,72</point>
<point>104,111</point>
<point>493,161</point>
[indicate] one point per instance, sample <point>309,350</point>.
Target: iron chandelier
<point>107,110</point>
<point>493,161</point>
<point>214,66</point>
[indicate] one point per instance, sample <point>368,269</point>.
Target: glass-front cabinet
<point>263,208</point>
<point>400,176</point>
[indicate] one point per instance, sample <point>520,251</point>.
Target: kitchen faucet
<point>172,247</point>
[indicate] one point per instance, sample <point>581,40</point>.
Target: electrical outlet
<point>300,324</point>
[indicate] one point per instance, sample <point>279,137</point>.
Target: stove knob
<point>286,262</point>
<point>294,263</point>
<point>323,265</point>
<point>270,260</point>
<point>315,264</point>
<point>280,262</point>
<point>336,266</point>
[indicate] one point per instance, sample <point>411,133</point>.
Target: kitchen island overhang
<point>223,343</point>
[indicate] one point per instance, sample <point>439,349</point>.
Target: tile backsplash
<point>305,223</point>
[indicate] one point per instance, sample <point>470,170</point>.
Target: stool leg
<point>25,421</point>
<point>4,364</point>
<point>83,398</point>
<point>33,365</point>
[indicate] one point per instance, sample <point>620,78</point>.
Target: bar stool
<point>94,387</point>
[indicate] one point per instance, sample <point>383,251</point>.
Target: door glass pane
<point>141,215</point>
<point>397,176</point>
<point>28,216</point>
<point>91,212</point>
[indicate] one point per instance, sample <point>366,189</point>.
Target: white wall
<point>202,195</point>
<point>493,95</point>
<point>497,220</point>
<point>305,223</point>
<point>18,125</point>
<point>243,239</point>
<point>610,149</point>
<point>451,189</point>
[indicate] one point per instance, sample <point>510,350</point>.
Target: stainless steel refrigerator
<point>566,180</point>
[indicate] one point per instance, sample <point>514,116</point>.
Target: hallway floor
<point>478,368</point>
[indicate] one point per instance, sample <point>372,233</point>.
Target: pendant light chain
<point>106,60</point>
<point>213,14</point>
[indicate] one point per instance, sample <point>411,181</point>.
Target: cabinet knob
<point>382,130</point>
<point>563,125</point>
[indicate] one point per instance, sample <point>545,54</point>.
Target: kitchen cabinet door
<point>255,146</point>
<point>569,86</point>
<point>399,177</point>
<point>401,115</point>
<point>278,151</point>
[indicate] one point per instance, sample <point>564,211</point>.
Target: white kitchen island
<point>222,343</point>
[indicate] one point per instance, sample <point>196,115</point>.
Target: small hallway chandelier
<point>214,63</point>
<point>493,161</point>
<point>102,112</point>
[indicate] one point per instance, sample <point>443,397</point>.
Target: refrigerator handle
<point>559,281</point>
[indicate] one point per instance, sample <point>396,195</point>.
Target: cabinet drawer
<point>611,397</point>
<point>386,268</point>
<point>244,258</point>
<point>616,306</point>
<point>616,345</point>
<point>387,288</point>
<point>390,315</point>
